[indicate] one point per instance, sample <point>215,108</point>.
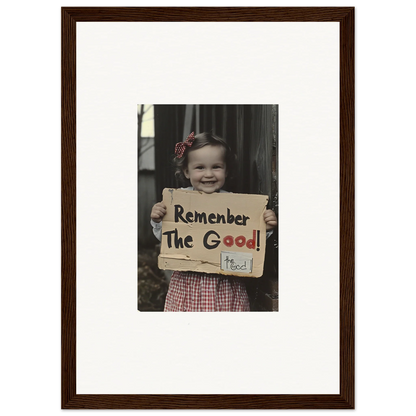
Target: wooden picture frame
<point>70,399</point>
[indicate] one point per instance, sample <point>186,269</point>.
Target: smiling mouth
<point>208,183</point>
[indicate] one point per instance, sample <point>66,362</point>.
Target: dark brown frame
<point>71,400</point>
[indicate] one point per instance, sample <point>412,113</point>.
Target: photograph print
<point>207,208</point>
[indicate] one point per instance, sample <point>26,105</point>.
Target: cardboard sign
<point>220,233</point>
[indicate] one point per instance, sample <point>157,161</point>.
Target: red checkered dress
<point>200,292</point>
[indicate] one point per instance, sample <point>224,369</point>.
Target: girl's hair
<point>201,140</point>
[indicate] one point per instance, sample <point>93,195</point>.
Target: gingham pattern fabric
<point>200,292</point>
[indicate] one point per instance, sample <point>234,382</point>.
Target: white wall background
<point>308,321</point>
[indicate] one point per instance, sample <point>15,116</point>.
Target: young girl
<point>205,160</point>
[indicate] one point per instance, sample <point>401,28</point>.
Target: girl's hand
<point>158,212</point>
<point>270,219</point>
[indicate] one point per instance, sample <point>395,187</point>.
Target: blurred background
<point>252,133</point>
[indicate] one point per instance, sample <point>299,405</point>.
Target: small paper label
<point>236,262</point>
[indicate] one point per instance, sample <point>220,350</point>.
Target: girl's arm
<point>157,229</point>
<point>156,216</point>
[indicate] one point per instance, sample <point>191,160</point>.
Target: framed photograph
<point>276,85</point>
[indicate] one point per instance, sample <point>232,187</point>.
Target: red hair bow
<point>181,146</point>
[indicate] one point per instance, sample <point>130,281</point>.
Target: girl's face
<point>206,168</point>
